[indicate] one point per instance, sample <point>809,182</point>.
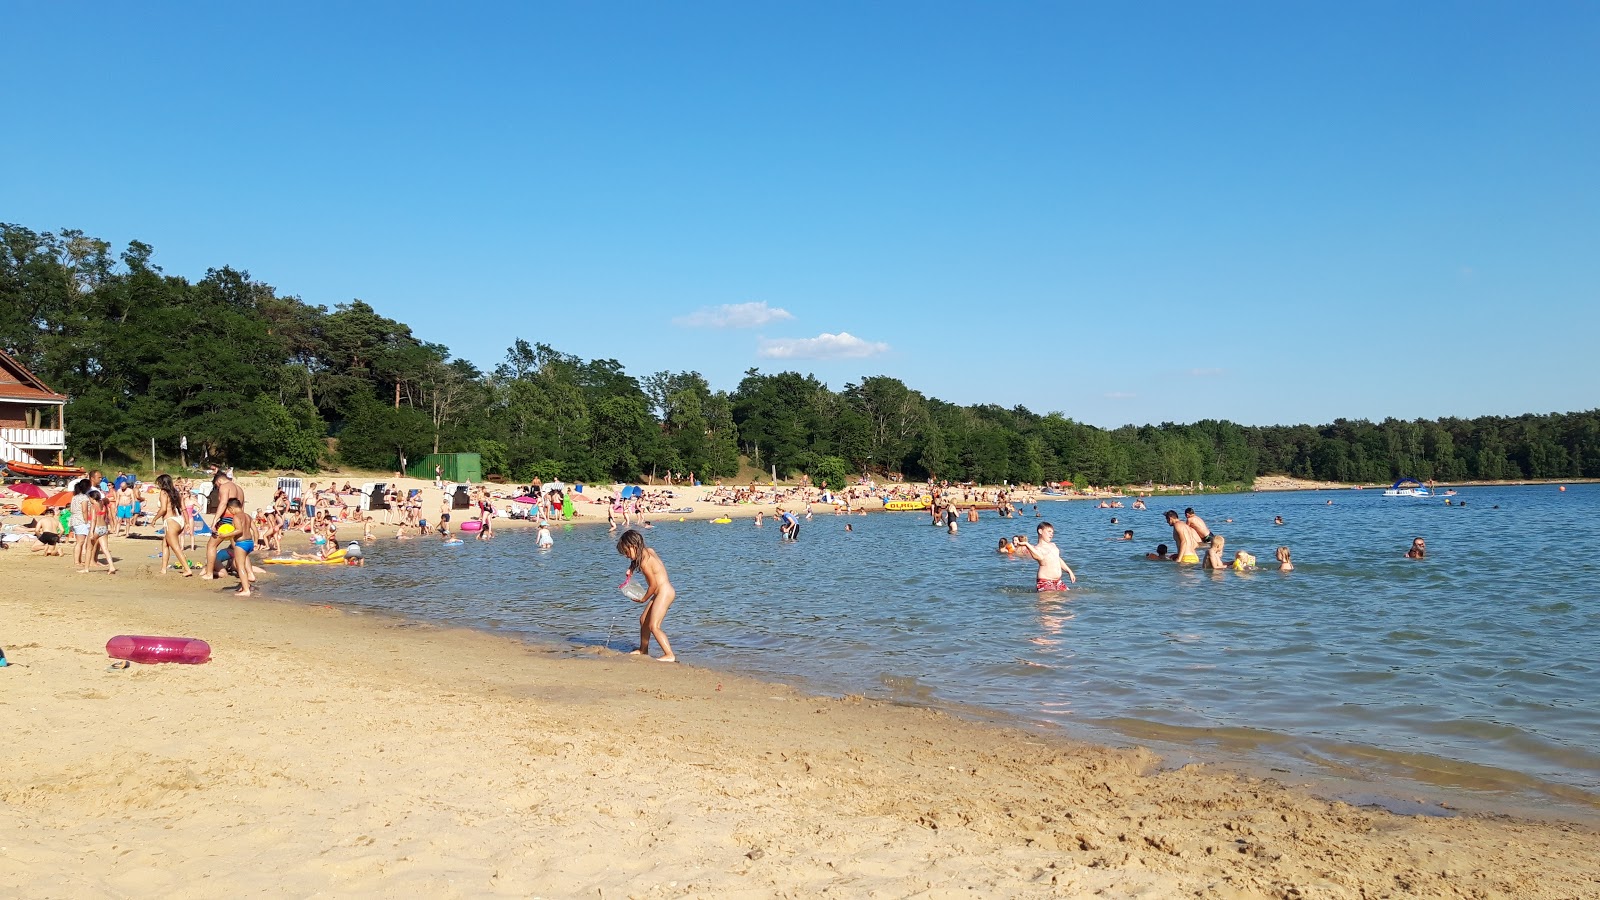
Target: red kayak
<point>34,470</point>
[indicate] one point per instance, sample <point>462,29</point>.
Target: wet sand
<point>324,751</point>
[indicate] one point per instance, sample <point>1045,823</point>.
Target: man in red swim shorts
<point>1048,556</point>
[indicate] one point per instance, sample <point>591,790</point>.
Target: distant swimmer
<point>1127,535</point>
<point>1160,554</point>
<point>1285,563</point>
<point>1005,546</point>
<point>1277,520</point>
<point>1198,524</point>
<point>1187,540</point>
<point>1418,549</point>
<point>1048,556</point>
<point>849,527</point>
<point>1139,504</point>
<point>972,514</point>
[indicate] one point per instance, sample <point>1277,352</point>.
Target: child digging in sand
<point>657,600</point>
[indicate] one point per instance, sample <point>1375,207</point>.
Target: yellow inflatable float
<point>336,558</point>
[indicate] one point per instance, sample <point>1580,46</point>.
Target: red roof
<point>17,383</point>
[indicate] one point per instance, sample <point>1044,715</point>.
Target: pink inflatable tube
<point>471,525</point>
<point>142,649</point>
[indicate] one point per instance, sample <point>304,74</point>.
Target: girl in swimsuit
<point>173,524</point>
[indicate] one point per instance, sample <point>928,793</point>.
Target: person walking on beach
<point>657,599</point>
<point>99,511</point>
<point>225,491</point>
<point>173,524</point>
<point>1048,556</point>
<point>241,538</point>
<point>78,521</point>
<point>1185,537</point>
<point>438,477</point>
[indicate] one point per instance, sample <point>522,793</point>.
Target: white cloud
<point>1120,395</point>
<point>843,345</point>
<point>1206,373</point>
<point>734,315</point>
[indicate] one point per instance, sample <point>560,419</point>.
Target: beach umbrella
<point>29,490</point>
<point>32,506</point>
<point>59,500</point>
<point>525,500</point>
<point>631,491</point>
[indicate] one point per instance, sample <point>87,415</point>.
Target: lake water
<point>1473,670</point>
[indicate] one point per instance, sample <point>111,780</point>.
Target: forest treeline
<point>263,380</point>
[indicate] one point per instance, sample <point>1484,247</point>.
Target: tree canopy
<point>259,379</point>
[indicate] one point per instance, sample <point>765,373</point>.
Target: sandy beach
<point>323,751</point>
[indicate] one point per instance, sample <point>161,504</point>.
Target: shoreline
<point>360,753</point>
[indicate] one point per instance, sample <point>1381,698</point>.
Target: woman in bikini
<point>173,524</point>
<point>99,512</point>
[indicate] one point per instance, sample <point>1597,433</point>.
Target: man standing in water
<point>1185,536</point>
<point>223,491</point>
<point>1048,556</point>
<point>1201,529</point>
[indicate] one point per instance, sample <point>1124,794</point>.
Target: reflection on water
<point>1473,667</point>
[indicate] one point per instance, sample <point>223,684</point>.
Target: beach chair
<point>290,487</point>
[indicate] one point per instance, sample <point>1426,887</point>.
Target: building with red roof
<point>32,417</point>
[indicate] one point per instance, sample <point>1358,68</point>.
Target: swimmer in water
<point>1285,564</point>
<point>1048,556</point>
<point>1188,541</point>
<point>1418,549</point>
<point>1277,520</point>
<point>1160,554</point>
<point>1005,546</point>
<point>1213,558</point>
<point>1127,535</point>
<point>849,527</point>
<point>1198,524</point>
<point>657,600</point>
<point>1243,562</point>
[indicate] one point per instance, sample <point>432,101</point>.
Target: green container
<point>458,467</point>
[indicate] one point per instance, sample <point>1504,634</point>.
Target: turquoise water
<point>1474,669</point>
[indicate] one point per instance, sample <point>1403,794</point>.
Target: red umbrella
<point>59,501</point>
<point>28,490</point>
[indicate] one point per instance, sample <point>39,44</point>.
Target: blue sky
<point>1265,212</point>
